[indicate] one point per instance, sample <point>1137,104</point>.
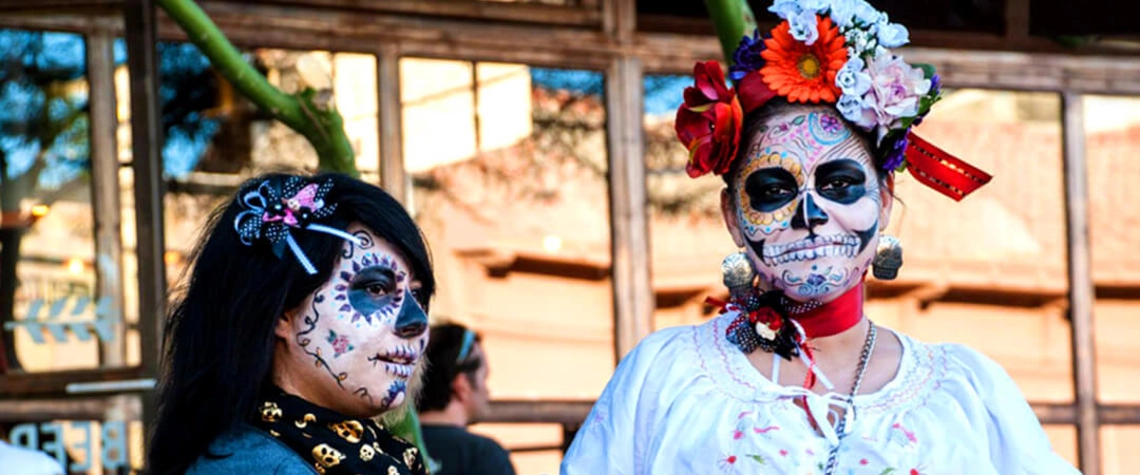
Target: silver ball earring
<point>739,276</point>
<point>888,258</point>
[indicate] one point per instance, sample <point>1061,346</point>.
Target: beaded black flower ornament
<point>274,209</point>
<point>762,319</point>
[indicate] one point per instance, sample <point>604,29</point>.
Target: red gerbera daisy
<point>804,73</point>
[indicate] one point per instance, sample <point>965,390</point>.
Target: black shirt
<point>463,453</point>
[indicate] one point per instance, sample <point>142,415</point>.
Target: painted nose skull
<point>808,214</point>
<point>412,321</point>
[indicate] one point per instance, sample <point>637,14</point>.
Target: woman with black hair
<point>303,318</point>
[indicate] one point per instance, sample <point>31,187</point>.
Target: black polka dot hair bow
<point>273,210</point>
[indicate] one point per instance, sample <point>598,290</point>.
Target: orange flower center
<point>809,66</point>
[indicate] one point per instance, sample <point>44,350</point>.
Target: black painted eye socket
<point>770,189</point>
<point>376,282</point>
<point>843,181</point>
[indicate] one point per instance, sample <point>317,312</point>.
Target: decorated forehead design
<point>835,53</point>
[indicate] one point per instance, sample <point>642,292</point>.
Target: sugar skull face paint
<point>355,343</point>
<point>807,204</point>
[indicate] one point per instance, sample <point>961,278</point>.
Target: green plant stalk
<point>732,19</point>
<point>321,125</point>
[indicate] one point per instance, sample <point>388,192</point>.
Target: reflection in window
<point>508,165</point>
<point>687,236</point>
<point>997,259</point>
<point>215,138</point>
<point>1112,142</point>
<point>509,170</point>
<point>47,247</point>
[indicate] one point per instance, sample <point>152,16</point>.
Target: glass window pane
<point>508,165</point>
<point>688,239</point>
<point>1118,449</point>
<point>1112,142</point>
<point>53,302</point>
<point>215,138</point>
<point>994,264</point>
<point>89,436</point>
<point>1064,441</point>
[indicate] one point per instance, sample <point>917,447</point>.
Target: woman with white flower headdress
<point>793,377</point>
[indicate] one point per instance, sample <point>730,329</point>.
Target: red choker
<point>835,316</point>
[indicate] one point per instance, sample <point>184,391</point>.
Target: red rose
<point>710,86</point>
<point>709,122</point>
<point>768,316</point>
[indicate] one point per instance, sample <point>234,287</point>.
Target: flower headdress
<point>830,52</point>
<point>274,209</point>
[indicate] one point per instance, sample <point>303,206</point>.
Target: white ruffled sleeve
<point>614,436</point>
<point>1017,443</point>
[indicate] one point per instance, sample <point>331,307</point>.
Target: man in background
<point>454,396</point>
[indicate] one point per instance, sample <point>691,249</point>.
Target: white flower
<point>853,110</point>
<point>895,91</point>
<point>785,9</point>
<point>843,12</point>
<point>867,14</point>
<point>814,5</point>
<point>851,79</point>
<point>860,41</point>
<point>892,35</point>
<point>804,27</point>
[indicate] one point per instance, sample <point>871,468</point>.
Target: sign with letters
<point>66,318</point>
<point>48,438</point>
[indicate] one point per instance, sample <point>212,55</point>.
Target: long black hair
<point>220,332</point>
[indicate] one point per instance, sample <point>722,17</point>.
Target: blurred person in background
<point>454,396</point>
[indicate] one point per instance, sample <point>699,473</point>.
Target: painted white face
<point>354,344</point>
<point>808,205</point>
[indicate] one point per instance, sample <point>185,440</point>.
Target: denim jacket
<point>250,451</point>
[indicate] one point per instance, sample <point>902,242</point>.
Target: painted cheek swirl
<point>304,340</point>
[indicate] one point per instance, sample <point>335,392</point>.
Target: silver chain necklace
<point>841,425</point>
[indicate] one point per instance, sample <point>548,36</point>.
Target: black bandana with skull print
<point>332,443</point>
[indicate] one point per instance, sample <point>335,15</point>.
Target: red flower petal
<point>753,92</point>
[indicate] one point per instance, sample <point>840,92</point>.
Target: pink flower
<point>896,90</point>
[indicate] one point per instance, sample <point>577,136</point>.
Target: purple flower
<point>747,58</point>
<point>897,153</point>
<point>815,280</point>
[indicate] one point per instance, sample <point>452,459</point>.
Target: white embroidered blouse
<point>688,401</point>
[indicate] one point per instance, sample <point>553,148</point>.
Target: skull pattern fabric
<point>332,443</point>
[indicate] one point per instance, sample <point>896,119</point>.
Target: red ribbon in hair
<point>941,171</point>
